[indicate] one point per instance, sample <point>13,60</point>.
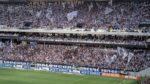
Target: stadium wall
<point>67,69</point>
<point>144,73</point>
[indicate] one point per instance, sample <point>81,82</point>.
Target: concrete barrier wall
<point>145,72</point>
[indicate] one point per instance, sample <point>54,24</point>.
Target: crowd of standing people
<point>121,15</point>
<point>75,55</point>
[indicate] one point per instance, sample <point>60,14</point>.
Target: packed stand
<point>122,15</point>
<point>90,56</point>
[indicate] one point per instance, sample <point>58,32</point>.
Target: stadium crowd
<point>96,15</point>
<point>93,15</point>
<point>90,56</point>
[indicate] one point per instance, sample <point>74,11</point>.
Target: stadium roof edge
<point>46,0</point>
<point>22,1</point>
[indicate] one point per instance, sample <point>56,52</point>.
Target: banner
<point>130,56</point>
<point>113,75</point>
<point>7,65</point>
<point>89,69</point>
<point>111,71</point>
<point>108,10</point>
<point>38,14</point>
<point>18,66</point>
<point>71,15</point>
<point>132,77</point>
<point>26,66</point>
<point>90,6</point>
<point>120,76</point>
<point>90,73</point>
